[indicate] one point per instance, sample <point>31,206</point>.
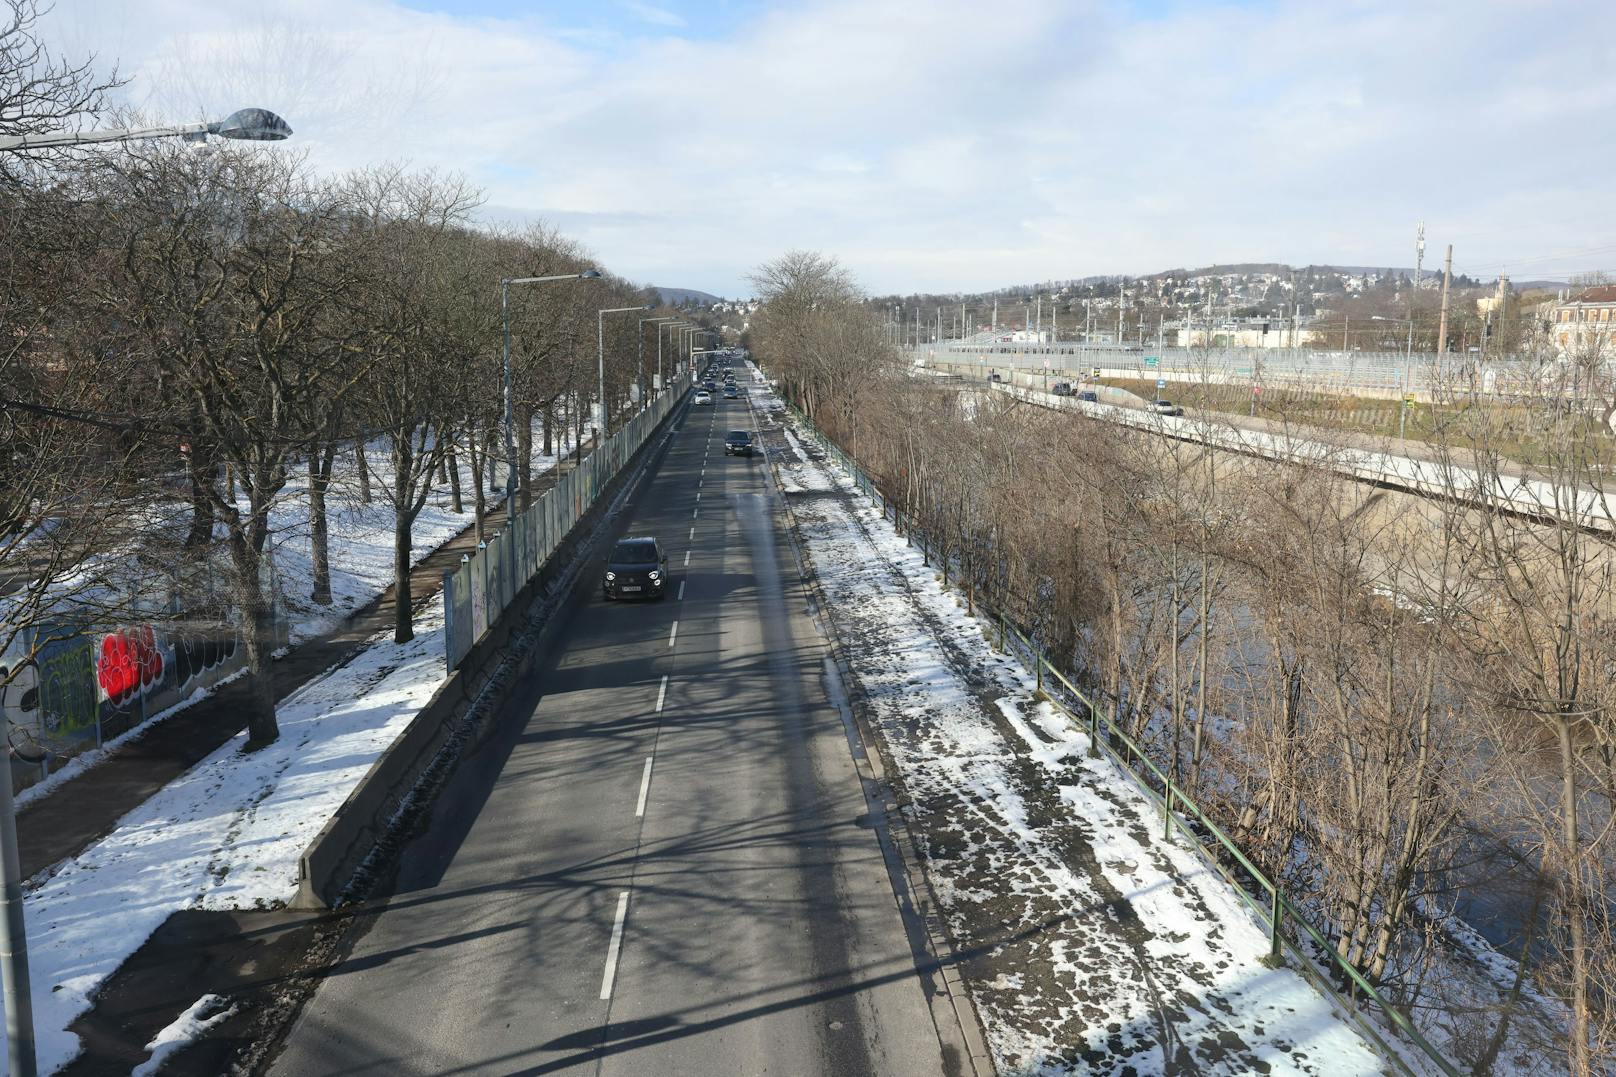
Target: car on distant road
<point>1166,407</point>
<point>738,443</point>
<point>637,568</point>
<point>1090,395</point>
<point>704,397</point>
<point>730,392</point>
<point>1062,388</point>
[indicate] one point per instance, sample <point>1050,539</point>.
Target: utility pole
<point>1442,323</point>
<point>1122,301</point>
<point>1419,264</point>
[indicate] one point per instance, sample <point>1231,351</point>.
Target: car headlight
<point>611,576</point>
<point>655,575</point>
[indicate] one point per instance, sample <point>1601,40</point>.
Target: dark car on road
<point>1090,395</point>
<point>637,569</point>
<point>730,392</point>
<point>738,443</point>
<point>1062,388</point>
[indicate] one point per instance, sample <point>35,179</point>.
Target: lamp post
<point>245,124</point>
<point>510,411</point>
<point>600,354</point>
<point>677,324</point>
<point>641,342</point>
<point>249,124</point>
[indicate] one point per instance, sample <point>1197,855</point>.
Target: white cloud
<point>652,14</point>
<point>961,145</point>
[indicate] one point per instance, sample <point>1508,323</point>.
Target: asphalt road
<point>669,866</point>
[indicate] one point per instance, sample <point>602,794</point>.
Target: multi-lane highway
<point>663,862</point>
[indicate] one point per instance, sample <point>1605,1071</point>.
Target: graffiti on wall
<point>78,689</point>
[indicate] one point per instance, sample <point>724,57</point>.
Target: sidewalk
<point>87,807</point>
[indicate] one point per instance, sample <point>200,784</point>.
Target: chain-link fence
<point>475,594</point>
<point>1387,373</point>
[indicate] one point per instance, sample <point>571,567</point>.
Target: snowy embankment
<point>227,834</point>
<point>1090,944</point>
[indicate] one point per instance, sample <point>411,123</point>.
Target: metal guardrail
<point>1262,895</point>
<point>475,594</point>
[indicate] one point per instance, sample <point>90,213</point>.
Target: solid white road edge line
<point>662,694</point>
<point>615,946</point>
<point>675,633</point>
<point>645,788</point>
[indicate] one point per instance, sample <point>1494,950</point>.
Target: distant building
<point>1497,302</point>
<point>1245,333</point>
<point>1587,319</point>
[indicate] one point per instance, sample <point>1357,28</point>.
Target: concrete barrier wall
<point>330,861</point>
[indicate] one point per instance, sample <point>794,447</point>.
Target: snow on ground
<point>198,1018</point>
<point>361,536</point>
<point>96,756</point>
<point>1091,946</point>
<point>360,540</point>
<point>227,834</point>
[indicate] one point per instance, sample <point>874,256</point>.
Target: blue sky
<point>938,145</point>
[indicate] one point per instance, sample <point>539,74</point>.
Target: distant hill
<point>679,296</point>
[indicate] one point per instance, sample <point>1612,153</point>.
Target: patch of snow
<point>198,1018</point>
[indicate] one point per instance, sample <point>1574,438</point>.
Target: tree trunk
<point>479,502</point>
<point>258,644</point>
<point>320,465</point>
<point>364,471</point>
<point>1573,900</point>
<point>455,501</point>
<point>549,421</point>
<point>201,532</point>
<point>403,626</point>
<point>524,458</point>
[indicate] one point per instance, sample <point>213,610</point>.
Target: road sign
<point>1161,383</point>
<point>1243,371</point>
<point>1152,360</point>
<point>1095,372</point>
<point>1408,401</point>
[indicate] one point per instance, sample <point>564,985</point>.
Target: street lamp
<point>244,124</point>
<point>510,411</point>
<point>675,325</point>
<point>255,124</point>
<point>600,345</point>
<point>641,342</point>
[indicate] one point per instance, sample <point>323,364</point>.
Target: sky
<point>936,145</point>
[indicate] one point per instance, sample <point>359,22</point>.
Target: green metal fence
<point>1288,930</point>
